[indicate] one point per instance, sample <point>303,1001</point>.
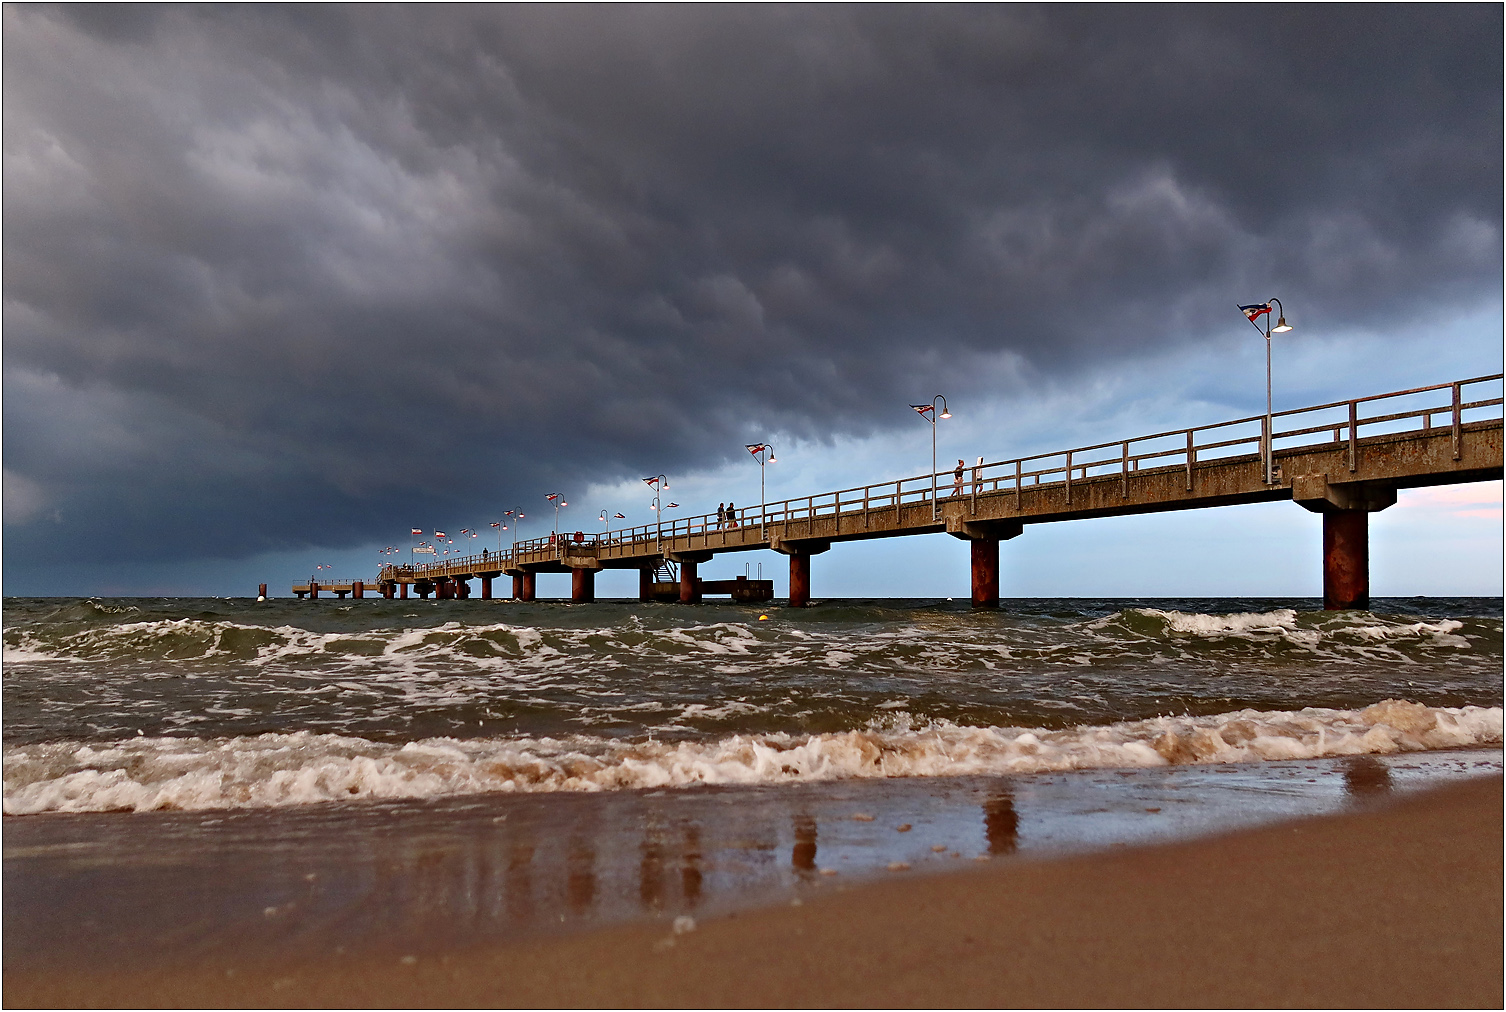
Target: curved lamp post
<point>764,454</point>
<point>558,501</point>
<point>1254,313</point>
<point>928,412</point>
<point>658,482</point>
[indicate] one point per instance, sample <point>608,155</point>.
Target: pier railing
<point>1440,406</point>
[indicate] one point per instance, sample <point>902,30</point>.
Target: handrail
<point>1011,475</point>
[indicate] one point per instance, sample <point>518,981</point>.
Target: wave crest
<point>275,770</point>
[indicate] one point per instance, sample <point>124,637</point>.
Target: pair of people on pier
<point>726,516</point>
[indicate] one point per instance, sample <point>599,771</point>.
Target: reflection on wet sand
<point>690,867</point>
<point>1001,823</point>
<point>1366,777</point>
<point>803,854</point>
<point>580,875</point>
<point>416,878</point>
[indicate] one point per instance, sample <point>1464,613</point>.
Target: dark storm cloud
<point>279,276</point>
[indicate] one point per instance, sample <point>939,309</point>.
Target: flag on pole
<point>1256,311</point>
<point>924,409</point>
<point>416,532</point>
<point>671,505</point>
<point>552,496</point>
<point>651,482</point>
<point>496,525</point>
<point>618,516</point>
<point>755,448</point>
<point>440,534</point>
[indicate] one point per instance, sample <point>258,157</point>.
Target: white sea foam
<point>274,770</point>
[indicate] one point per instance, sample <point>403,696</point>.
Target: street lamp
<point>764,454</point>
<point>554,497</point>
<point>606,520</point>
<point>928,412</point>
<point>1253,313</point>
<point>658,482</point>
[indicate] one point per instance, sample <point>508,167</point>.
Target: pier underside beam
<point>582,585</point>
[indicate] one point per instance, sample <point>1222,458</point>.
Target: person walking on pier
<point>957,479</point>
<point>721,515</point>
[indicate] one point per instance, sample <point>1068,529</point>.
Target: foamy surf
<point>277,770</point>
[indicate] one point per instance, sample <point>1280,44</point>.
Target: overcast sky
<point>281,282</point>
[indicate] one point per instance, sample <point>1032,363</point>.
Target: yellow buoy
<point>763,618</point>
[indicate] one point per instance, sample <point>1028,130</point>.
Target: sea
<point>232,779</point>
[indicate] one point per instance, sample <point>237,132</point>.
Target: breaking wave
<point>274,770</point>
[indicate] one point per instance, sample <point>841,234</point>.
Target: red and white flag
<point>440,534</point>
<point>619,516</point>
<point>651,482</point>
<point>496,525</point>
<point>552,496</point>
<point>416,532</point>
<point>755,448</point>
<point>924,410</point>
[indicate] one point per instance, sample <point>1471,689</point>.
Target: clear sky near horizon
<point>281,283</point>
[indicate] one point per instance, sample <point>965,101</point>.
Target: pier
<point>1343,460</point>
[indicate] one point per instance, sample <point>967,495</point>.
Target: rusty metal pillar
<point>985,572</point>
<point>402,591</point>
<point>517,587</point>
<point>689,592</point>
<point>646,584</point>
<point>313,590</point>
<point>261,590</point>
<point>358,589</point>
<point>528,587</point>
<point>1346,560</point>
<point>582,585</point>
<point>800,580</point>
<point>463,589</point>
<point>486,588</point>
<point>423,589</point>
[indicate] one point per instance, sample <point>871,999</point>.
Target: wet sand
<point>1399,905</point>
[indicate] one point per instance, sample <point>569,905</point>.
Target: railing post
<point>1124,470</point>
<point>1017,483</point>
<point>1354,421</point>
<point>898,492</point>
<point>865,507</point>
<point>1457,420</point>
<point>1265,445</point>
<point>1069,477</point>
<point>1191,458</point>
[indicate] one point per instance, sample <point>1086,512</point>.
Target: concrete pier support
<point>462,589</point>
<point>486,588</point>
<point>985,572</point>
<point>800,580</point>
<point>313,590</point>
<point>1346,560</point>
<point>646,584</point>
<point>424,589</point>
<point>582,585</point>
<point>402,591</point>
<point>689,593</point>
<point>528,588</point>
<point>358,590</point>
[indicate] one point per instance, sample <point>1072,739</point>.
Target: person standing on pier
<point>957,479</point>
<point>721,515</point>
<point>731,515</point>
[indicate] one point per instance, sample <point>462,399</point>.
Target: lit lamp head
<point>946,414</point>
<point>1281,326</point>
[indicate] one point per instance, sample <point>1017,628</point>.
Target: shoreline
<point>1394,905</point>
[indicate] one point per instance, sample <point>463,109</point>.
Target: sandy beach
<point>1399,905</point>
